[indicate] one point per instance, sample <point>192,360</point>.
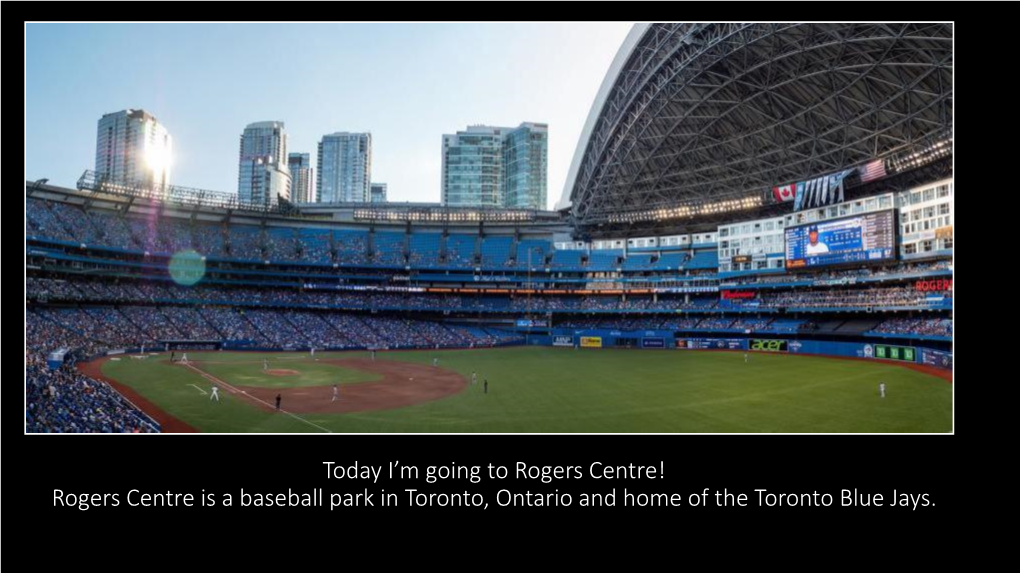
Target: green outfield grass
<point>542,389</point>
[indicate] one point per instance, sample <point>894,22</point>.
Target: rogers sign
<point>933,285</point>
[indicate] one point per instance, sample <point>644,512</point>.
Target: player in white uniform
<point>815,246</point>
<point>474,377</point>
<point>336,393</point>
<point>745,358</point>
<point>215,395</point>
<point>435,362</point>
<point>265,365</point>
<point>881,389</point>
<point>184,358</point>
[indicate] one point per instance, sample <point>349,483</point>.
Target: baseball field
<point>530,389</point>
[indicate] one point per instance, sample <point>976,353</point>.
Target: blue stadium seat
<point>670,262</point>
<point>538,249</point>
<point>566,260</point>
<point>316,245</point>
<point>496,252</point>
<point>281,244</point>
<point>425,249</point>
<point>460,251</point>
<point>389,249</point>
<point>604,260</point>
<point>351,246</point>
<point>637,262</point>
<point>703,260</point>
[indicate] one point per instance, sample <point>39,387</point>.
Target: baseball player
<point>336,393</point>
<point>474,378</point>
<point>881,389</point>
<point>265,365</point>
<point>435,361</point>
<point>215,394</point>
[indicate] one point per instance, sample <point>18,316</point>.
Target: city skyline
<point>416,82</point>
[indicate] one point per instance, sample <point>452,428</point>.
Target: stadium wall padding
<point>656,339</point>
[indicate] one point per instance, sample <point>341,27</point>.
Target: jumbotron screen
<point>860,239</point>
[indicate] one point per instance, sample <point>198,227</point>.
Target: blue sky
<point>406,83</point>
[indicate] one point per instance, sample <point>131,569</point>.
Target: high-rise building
<point>378,193</point>
<point>344,168</point>
<point>473,167</point>
<point>525,164</point>
<point>302,178</point>
<point>263,176</point>
<point>132,147</point>
<point>486,166</point>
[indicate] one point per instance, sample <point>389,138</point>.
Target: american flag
<point>872,171</point>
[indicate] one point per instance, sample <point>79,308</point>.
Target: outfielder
<point>215,394</point>
<point>881,389</point>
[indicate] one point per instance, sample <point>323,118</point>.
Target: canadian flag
<point>784,192</point>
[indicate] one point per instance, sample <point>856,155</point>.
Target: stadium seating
<point>604,260</point>
<point>282,244</point>
<point>703,260</point>
<point>247,302</point>
<point>935,327</point>
<point>244,243</point>
<point>42,222</point>
<point>315,245</point>
<point>536,249</point>
<point>495,252</point>
<point>670,262</point>
<point>425,250</point>
<point>351,247</point>
<point>460,251</point>
<point>566,260</point>
<point>637,262</point>
<point>390,249</point>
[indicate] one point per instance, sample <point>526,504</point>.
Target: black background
<point>469,537</point>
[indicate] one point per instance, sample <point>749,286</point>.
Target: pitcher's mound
<point>282,372</point>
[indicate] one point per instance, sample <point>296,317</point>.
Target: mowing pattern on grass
<point>542,389</point>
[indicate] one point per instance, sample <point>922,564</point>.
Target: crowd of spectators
<point>167,235</point>
<point>96,329</point>
<point>918,326</point>
<point>64,400</point>
<point>49,290</point>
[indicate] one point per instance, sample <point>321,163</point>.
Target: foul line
<point>235,390</point>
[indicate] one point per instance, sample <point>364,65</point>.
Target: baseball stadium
<point>755,236</point>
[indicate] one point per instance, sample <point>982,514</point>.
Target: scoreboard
<point>870,237</point>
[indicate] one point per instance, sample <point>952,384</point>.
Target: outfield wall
<point>658,339</point>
